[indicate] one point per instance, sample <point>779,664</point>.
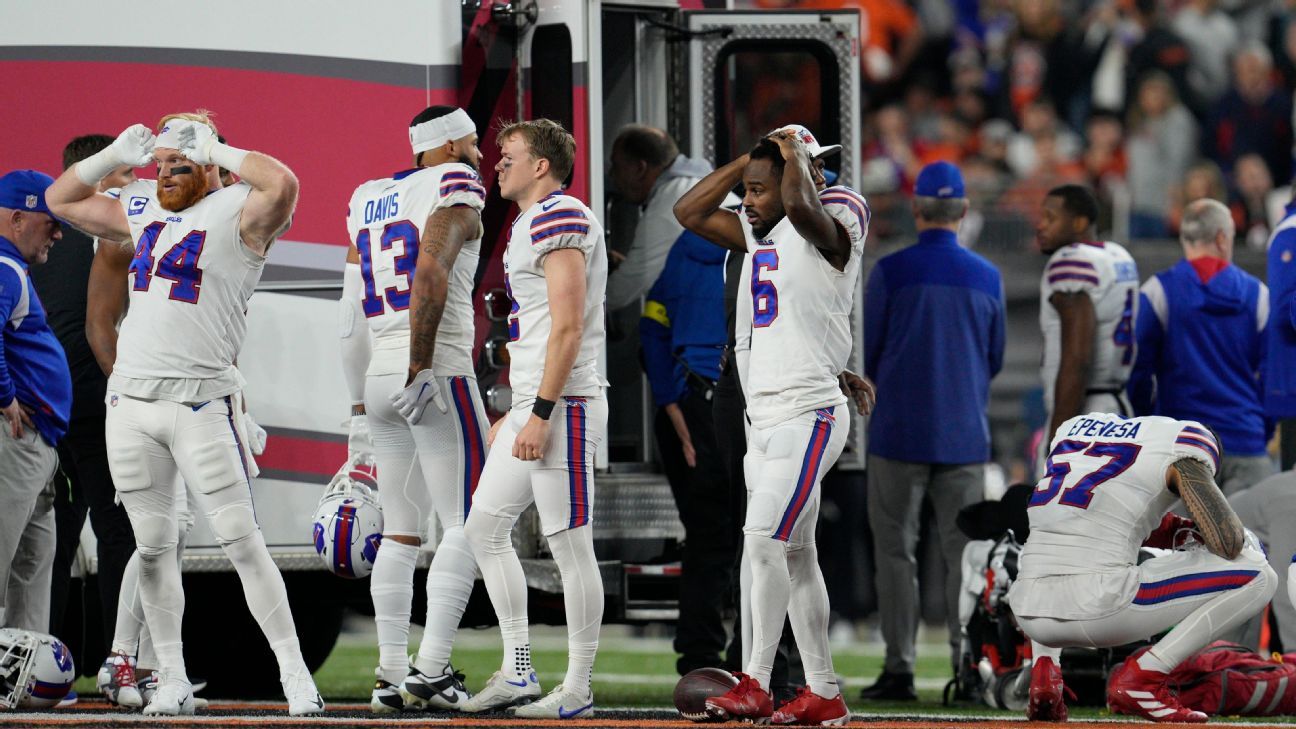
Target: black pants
<point>711,534</point>
<point>729,411</point>
<point>1287,443</point>
<point>88,488</point>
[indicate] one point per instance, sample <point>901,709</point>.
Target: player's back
<point>800,314</point>
<point>1106,272</point>
<point>386,220</point>
<point>189,285</point>
<point>1105,490</point>
<point>553,223</point>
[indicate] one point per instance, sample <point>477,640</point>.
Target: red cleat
<point>810,709</point>
<point>1047,701</point>
<point>747,700</point>
<point>1137,692</point>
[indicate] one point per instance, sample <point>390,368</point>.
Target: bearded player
<point>200,249</point>
<point>555,268</point>
<point>806,248</point>
<point>416,237</point>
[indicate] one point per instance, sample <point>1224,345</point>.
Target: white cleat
<point>559,704</point>
<point>173,697</point>
<point>443,691</point>
<point>116,681</point>
<point>303,698</point>
<point>501,692</point>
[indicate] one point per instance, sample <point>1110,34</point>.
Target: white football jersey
<point>1105,490</point>
<point>800,314</point>
<point>554,222</point>
<point>189,285</point>
<point>386,219</point>
<point>1107,273</point>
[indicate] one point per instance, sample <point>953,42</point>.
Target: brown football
<point>696,687</point>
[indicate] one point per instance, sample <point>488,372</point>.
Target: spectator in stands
<point>1213,37</point>
<point>83,454</point>
<point>1251,187</point>
<point>1280,365</point>
<point>1200,331</point>
<point>1253,117</point>
<point>648,170</point>
<point>933,339</point>
<point>1162,143</point>
<point>35,402</point>
<point>1158,48</point>
<point>1203,180</point>
<point>1105,162</point>
<point>1040,121</point>
<point>1055,57</point>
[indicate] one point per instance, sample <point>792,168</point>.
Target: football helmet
<point>35,669</point>
<point>348,521</point>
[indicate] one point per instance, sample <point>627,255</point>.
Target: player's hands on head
<point>530,442</point>
<point>196,142</point>
<point>421,389</point>
<point>134,146</point>
<point>789,144</point>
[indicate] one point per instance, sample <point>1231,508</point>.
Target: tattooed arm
<point>1219,526</point>
<point>447,231</point>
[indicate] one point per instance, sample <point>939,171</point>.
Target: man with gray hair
<point>1200,332</point>
<point>933,339</point>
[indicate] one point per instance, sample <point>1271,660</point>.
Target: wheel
<point>1012,689</point>
<point>224,645</point>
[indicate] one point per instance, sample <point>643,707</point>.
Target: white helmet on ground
<point>35,669</point>
<point>348,521</point>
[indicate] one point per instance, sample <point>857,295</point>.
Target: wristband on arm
<point>542,408</point>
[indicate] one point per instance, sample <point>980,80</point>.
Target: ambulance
<point>329,87</point>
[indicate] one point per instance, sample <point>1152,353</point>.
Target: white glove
<point>133,147</point>
<point>256,434</point>
<point>196,141</point>
<point>358,441</point>
<point>411,401</point>
<point>199,144</point>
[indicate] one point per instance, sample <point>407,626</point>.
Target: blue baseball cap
<point>940,180</point>
<point>25,190</point>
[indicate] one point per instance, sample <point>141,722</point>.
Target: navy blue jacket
<point>1280,364</point>
<point>933,339</point>
<point>1200,349</point>
<point>32,365</point>
<point>683,320</point>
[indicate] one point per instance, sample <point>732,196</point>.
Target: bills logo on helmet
<point>319,538</point>
<point>348,524</point>
<point>372,543</point>
<point>62,656</point>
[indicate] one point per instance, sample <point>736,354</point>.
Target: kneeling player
<point>1108,485</point>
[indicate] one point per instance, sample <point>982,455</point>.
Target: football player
<point>417,304</point>
<point>200,248</point>
<point>806,248</point>
<point>1088,305</point>
<point>1109,485</point>
<point>555,268</point>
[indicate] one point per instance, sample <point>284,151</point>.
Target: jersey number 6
<point>1120,456</point>
<point>764,294</point>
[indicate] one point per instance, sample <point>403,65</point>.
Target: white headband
<point>436,132</point>
<point>169,137</point>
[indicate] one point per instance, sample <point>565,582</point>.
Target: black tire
<point>225,646</point>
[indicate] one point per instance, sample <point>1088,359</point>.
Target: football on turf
<point>696,687</point>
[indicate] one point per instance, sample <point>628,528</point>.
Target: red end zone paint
<point>333,133</point>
